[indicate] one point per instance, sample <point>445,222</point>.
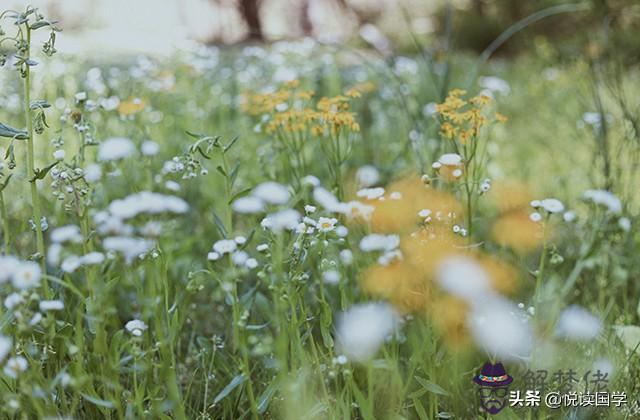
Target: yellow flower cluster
<point>292,111</point>
<point>462,119</point>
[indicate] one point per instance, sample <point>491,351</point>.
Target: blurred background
<point>160,26</point>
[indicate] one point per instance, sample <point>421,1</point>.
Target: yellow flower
<point>131,106</point>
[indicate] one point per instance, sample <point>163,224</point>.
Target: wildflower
<point>149,148</point>
<point>569,216</point>
<point>69,233</point>
<point>311,180</point>
<point>463,277</point>
<point>136,327</point>
<point>71,264</point>
<point>326,224</point>
<point>363,328</point>
<point>271,192</point>
<point>147,202</point>
<point>367,176</point>
<point>342,231</point>
<point>213,256</point>
<point>494,84</point>
<point>172,185</point>
<point>624,223</point>
<point>115,148</point>
<point>604,198</point>
<point>500,328</point>
<point>129,247</point>
<point>131,107</point>
<point>51,305</point>
<point>239,257</point>
<point>248,205</point>
<point>535,217</point>
<point>424,213</point>
<point>26,276</point>
<point>378,242</point>
<point>15,366</point>
<point>331,277</point>
<point>552,205</point>
<point>225,246</point>
<point>370,193</point>
<point>93,173</point>
<point>59,154</point>
<point>285,219</point>
<point>309,209</point>
<point>8,266</point>
<point>13,300</point>
<point>576,323</point>
<point>450,159</point>
<point>251,263</point>
<point>262,247</point>
<point>346,256</point>
<point>5,347</point>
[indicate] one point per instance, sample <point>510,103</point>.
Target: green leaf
<point>239,194</point>
<point>265,398</point>
<point>220,225</point>
<point>5,183</point>
<point>221,170</point>
<point>40,103</point>
<point>230,144</point>
<point>41,173</point>
<point>431,386</point>
<point>42,23</point>
<point>230,387</point>
<point>98,401</point>
<point>12,133</point>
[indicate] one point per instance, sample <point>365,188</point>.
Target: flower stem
<point>35,199</point>
<point>5,225</point>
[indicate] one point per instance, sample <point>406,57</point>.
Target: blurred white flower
<point>129,247</point>
<point>26,275</point>
<point>604,198</point>
<point>577,323</point>
<point>367,176</point>
<point>500,328</point>
<point>552,205</point>
<point>370,193</point>
<point>464,278</point>
<point>271,192</point>
<point>535,217</point>
<point>624,223</point>
<point>51,305</point>
<point>346,256</point>
<point>5,346</point>
<point>149,148</point>
<point>13,300</point>
<point>225,246</point>
<point>379,242</point>
<point>115,148</point>
<point>59,154</point>
<point>147,202</point>
<point>331,276</point>
<point>248,205</point>
<point>363,328</point>
<point>93,173</point>
<point>569,216</point>
<point>69,233</point>
<point>450,159</point>
<point>8,266</point>
<point>15,366</point>
<point>494,84</point>
<point>287,219</point>
<point>342,231</point>
<point>136,327</point>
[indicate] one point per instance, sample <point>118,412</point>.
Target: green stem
<point>5,225</point>
<point>35,198</point>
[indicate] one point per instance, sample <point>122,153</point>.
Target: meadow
<point>301,230</point>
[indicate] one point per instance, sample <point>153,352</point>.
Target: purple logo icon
<point>494,387</point>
